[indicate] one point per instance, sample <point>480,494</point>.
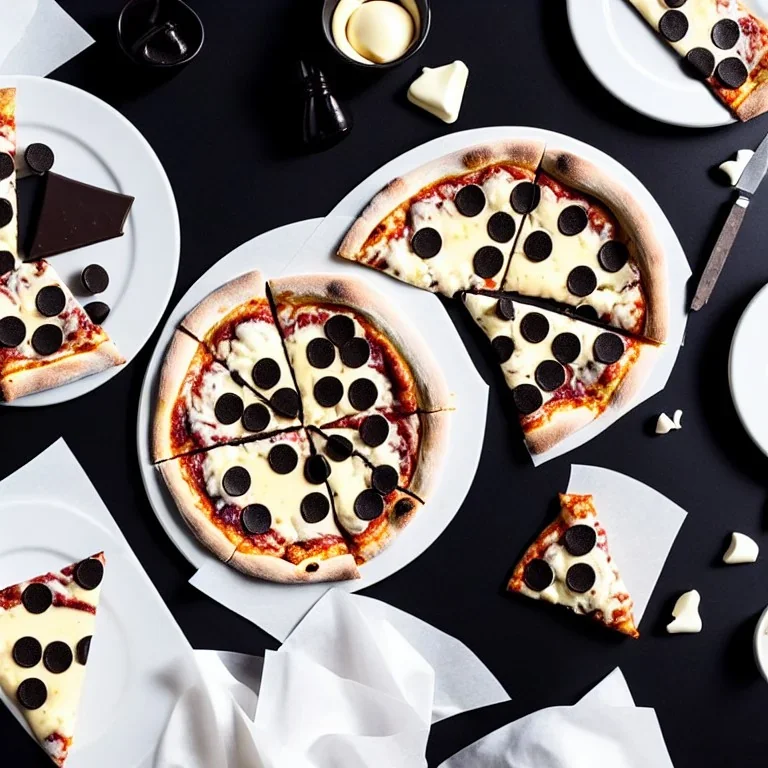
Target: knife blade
<point>753,173</point>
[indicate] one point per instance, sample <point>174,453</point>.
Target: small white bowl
<point>760,644</point>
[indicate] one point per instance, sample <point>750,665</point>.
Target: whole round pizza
<point>300,425</point>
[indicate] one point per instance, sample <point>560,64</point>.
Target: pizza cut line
<point>298,425</point>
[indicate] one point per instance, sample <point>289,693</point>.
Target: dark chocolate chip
<point>89,573</point>
<point>368,504</point>
<point>316,469</point>
<point>355,352</point>
<point>6,165</point>
<point>404,507</point>
<point>581,281</point>
<point>675,3</point>
<point>505,309</point>
<point>7,262</point>
<point>12,331</point>
<point>340,329</point>
<point>534,327</point>
<point>538,575</point>
<point>6,213</point>
<point>580,577</point>
<point>580,539</point>
<point>37,598</point>
<point>374,430</point>
<point>566,347</point>
<point>673,26</point>
<point>700,62</point>
<point>50,301</point>
<point>538,246</point>
<point>732,72</point>
<point>39,157</point>
<point>320,353</point>
<point>256,417</point>
<point>47,339</point>
<point>384,479</point>
<point>338,448</point>
<point>328,391</point>
<point>608,348</point>
<point>266,373</point>
<point>612,255</point>
<point>312,567</point>
<point>32,693</point>
<point>587,311</point>
<point>236,481</point>
<point>504,347</point>
<point>527,398</point>
<point>726,33</point>
<point>488,261</point>
<point>314,507</point>
<point>550,375</point>
<point>27,652</point>
<point>501,227</point>
<point>95,279</point>
<point>98,311</point>
<point>426,243</point>
<point>363,394</point>
<point>58,657</point>
<point>229,408</point>
<point>572,220</point>
<point>470,200</point>
<point>83,650</point>
<point>285,401</point>
<point>283,459</point>
<point>525,197</point>
<point>256,519</point>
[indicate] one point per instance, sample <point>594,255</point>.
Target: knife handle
<point>720,253</point>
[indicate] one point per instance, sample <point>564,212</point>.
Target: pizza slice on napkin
<point>46,626</point>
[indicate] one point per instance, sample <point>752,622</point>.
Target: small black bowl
<point>425,12</point>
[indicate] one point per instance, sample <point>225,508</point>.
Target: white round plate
<point>126,700</point>
<point>274,253</point>
<point>748,372</point>
<point>627,56</point>
<point>95,144</point>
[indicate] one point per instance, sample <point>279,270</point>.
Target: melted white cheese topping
<point>347,480</point>
<point>9,233</point>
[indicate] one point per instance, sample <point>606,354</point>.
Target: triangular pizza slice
<point>570,564</point>
<point>589,244</point>
<point>46,626</point>
<point>9,225</point>
<point>563,372</point>
<point>450,225</point>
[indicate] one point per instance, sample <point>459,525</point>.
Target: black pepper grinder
<point>325,122</point>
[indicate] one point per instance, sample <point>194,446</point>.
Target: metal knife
<point>746,186</point>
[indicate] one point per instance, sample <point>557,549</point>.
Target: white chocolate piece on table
<point>734,168</point>
<point>742,549</point>
<point>381,31</point>
<point>686,614</point>
<point>677,419</point>
<point>664,424</point>
<point>440,91</point>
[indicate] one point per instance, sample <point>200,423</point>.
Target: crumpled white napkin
<point>15,16</point>
<point>604,730</point>
<point>358,682</point>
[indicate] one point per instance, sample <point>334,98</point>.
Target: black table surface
<point>226,128</point>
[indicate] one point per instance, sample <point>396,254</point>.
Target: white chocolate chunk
<point>742,549</point>
<point>380,31</point>
<point>677,419</point>
<point>734,168</point>
<point>440,90</point>
<point>686,614</point>
<point>664,424</point>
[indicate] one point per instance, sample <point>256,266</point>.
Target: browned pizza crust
<point>432,389</point>
<point>382,531</point>
<point>435,433</point>
<point>755,104</point>
<point>579,173</point>
<point>61,371</point>
<point>523,153</point>
<point>313,569</point>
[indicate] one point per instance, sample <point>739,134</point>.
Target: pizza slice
<point>201,404</point>
<point>9,225</point>
<point>351,353</point>
<point>450,225</point>
<point>722,42</point>
<point>381,469</point>
<point>236,323</point>
<point>563,372</point>
<point>570,564</point>
<point>263,507</point>
<point>46,337</point>
<point>46,626</point>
